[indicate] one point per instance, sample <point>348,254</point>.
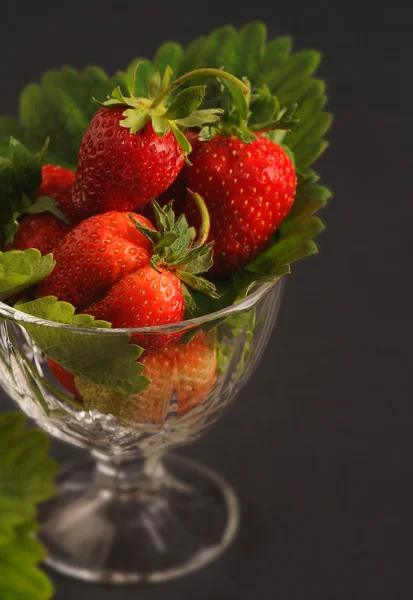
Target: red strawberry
<point>177,191</point>
<point>134,147</point>
<point>121,171</point>
<point>94,256</point>
<point>65,378</point>
<point>144,298</point>
<point>102,268</point>
<point>189,371</point>
<point>248,189</point>
<point>43,231</point>
<point>57,183</point>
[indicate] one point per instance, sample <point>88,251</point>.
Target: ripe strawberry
<point>120,171</point>
<point>134,148</point>
<point>65,378</point>
<point>248,189</point>
<point>43,231</point>
<point>57,183</point>
<point>177,191</point>
<point>185,372</point>
<point>144,298</point>
<point>116,267</point>
<point>96,254</point>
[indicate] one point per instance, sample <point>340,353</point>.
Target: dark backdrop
<point>319,443</point>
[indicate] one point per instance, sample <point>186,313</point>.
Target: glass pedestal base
<point>173,517</point>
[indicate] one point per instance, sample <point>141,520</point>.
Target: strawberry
<point>120,171</point>
<point>94,256</point>
<point>57,184</point>
<point>116,267</point>
<point>44,230</point>
<point>176,192</point>
<point>65,378</point>
<point>134,148</point>
<point>144,298</point>
<point>248,188</point>
<point>185,372</point>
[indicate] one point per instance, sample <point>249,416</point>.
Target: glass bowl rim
<point>13,314</point>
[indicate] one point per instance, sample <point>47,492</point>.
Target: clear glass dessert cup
<point>132,512</point>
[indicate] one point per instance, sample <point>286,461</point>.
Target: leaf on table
<point>19,558</point>
<point>26,473</point>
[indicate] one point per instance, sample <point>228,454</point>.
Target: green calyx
<point>176,248</point>
<point>20,178</point>
<point>168,114</point>
<point>256,112</point>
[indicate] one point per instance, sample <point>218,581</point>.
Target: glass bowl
<point>132,512</point>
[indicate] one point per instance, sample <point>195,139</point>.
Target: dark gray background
<point>318,445</point>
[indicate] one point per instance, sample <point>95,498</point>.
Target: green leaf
<point>46,204</point>
<point>160,125</point>
<point>26,473</point>
<point>47,111</point>
<point>307,153</point>
<point>245,134</point>
<point>252,48</point>
<point>275,55</point>
<point>206,305</point>
<point>10,127</point>
<point>10,195</point>
<point>309,131</point>
<point>135,119</point>
<point>199,283</point>
<point>186,102</point>
<point>300,65</point>
<point>107,359</point>
<point>190,60</point>
<point>20,576</point>
<point>20,270</point>
<point>27,168</point>
<point>304,228</point>
<point>200,117</point>
<point>169,54</point>
<point>181,138</point>
<point>154,86</point>
<point>238,98</point>
<point>221,50</point>
<point>308,200</point>
<point>282,253</point>
<point>138,76</point>
<point>265,107</point>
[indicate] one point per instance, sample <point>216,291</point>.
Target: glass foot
<point>107,527</point>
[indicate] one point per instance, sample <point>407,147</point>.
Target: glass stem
<point>120,475</point>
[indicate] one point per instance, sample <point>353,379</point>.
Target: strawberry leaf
<point>20,269</point>
<point>181,139</point>
<point>168,55</point>
<point>106,359</point>
<point>185,103</point>
<point>276,54</point>
<point>199,117</point>
<point>27,168</point>
<point>138,75</point>
<point>135,119</point>
<point>46,204</point>
<point>252,48</point>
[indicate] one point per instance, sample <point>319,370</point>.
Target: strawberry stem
<point>205,220</point>
<point>207,72</point>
